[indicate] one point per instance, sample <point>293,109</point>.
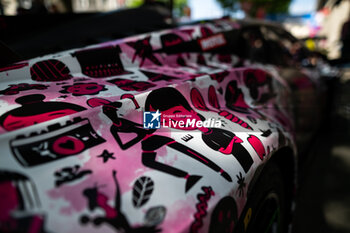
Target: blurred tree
<point>256,8</point>
<point>179,5</point>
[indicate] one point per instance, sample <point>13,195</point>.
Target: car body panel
<point>81,139</point>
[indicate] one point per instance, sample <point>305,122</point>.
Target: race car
<point>191,129</point>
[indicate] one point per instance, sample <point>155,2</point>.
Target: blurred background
<point>321,24</point>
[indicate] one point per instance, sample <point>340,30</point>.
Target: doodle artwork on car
<point>170,39</point>
<point>254,79</point>
<point>58,143</point>
<point>69,174</point>
<point>151,142</point>
<point>78,89</point>
<point>34,110</point>
<point>113,215</point>
<point>241,184</point>
<point>19,194</point>
<point>130,85</point>
<point>142,191</point>
<point>201,206</point>
<point>258,146</point>
<point>144,50</point>
<point>51,70</point>
<point>235,99</point>
<point>156,77</point>
<point>219,139</point>
<point>13,66</point>
<point>17,88</point>
<point>106,156</point>
<point>132,98</point>
<point>101,62</point>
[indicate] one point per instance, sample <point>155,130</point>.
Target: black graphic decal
<point>106,156</point>
<point>144,50</point>
<point>252,119</point>
<point>187,137</point>
<point>50,71</point>
<point>129,85</point>
<point>59,142</point>
<point>142,191</point>
<point>219,77</point>
<point>79,89</point>
<point>254,79</point>
<point>69,174</point>
<point>241,184</point>
<point>34,111</point>
<point>170,39</point>
<point>155,77</point>
<point>17,88</point>
<point>266,133</point>
<point>112,214</point>
<point>101,62</point>
<point>224,216</point>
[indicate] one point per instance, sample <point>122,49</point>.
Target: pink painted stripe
<point>198,156</point>
<point>169,143</point>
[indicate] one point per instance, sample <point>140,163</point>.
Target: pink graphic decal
<point>68,145</point>
<point>132,98</point>
<point>78,89</point>
<point>202,207</point>
<point>198,100</point>
<point>50,71</point>
<point>213,100</point>
<point>235,99</point>
<point>9,200</point>
<point>34,111</point>
<point>257,145</point>
<point>17,88</point>
<point>129,85</point>
<point>95,102</point>
<point>235,119</point>
<point>18,199</point>
<point>199,103</point>
<point>13,67</point>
